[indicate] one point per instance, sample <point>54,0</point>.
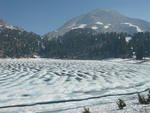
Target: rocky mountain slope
<point>103,21</point>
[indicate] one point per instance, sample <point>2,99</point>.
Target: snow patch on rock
<point>107,26</point>
<point>80,26</point>
<point>135,26</point>
<point>94,27</point>
<point>7,26</point>
<point>10,27</point>
<point>128,39</point>
<point>99,23</point>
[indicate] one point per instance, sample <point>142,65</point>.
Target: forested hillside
<point>87,44</point>
<point>16,43</point>
<point>76,44</point>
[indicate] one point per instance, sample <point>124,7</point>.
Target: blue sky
<point>42,16</point>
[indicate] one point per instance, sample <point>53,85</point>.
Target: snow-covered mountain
<point>103,21</point>
<point>4,25</point>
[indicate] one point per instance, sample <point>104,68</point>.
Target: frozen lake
<point>43,85</point>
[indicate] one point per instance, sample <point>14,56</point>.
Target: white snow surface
<point>94,27</point>
<point>8,27</point>
<point>128,39</point>
<point>107,26</point>
<point>135,26</point>
<point>29,81</point>
<point>80,26</point>
<point>99,23</point>
<point>132,107</point>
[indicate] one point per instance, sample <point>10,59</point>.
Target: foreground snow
<point>35,83</point>
<point>112,108</point>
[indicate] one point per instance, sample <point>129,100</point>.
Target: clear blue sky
<point>42,16</point>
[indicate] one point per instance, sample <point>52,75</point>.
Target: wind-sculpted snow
<point>57,83</point>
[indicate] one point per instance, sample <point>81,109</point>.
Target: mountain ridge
<point>103,21</point>
<point>4,25</point>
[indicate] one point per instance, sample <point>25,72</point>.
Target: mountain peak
<point>99,11</point>
<point>3,24</point>
<point>103,21</point>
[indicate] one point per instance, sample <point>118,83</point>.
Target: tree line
<point>75,44</point>
<point>86,44</point>
<point>16,43</point>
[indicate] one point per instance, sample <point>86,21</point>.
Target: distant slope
<point>103,21</point>
<point>15,42</point>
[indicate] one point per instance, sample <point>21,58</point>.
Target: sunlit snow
<point>128,39</point>
<point>135,26</point>
<point>80,26</point>
<point>29,81</point>
<point>99,23</point>
<point>94,27</point>
<point>107,26</point>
